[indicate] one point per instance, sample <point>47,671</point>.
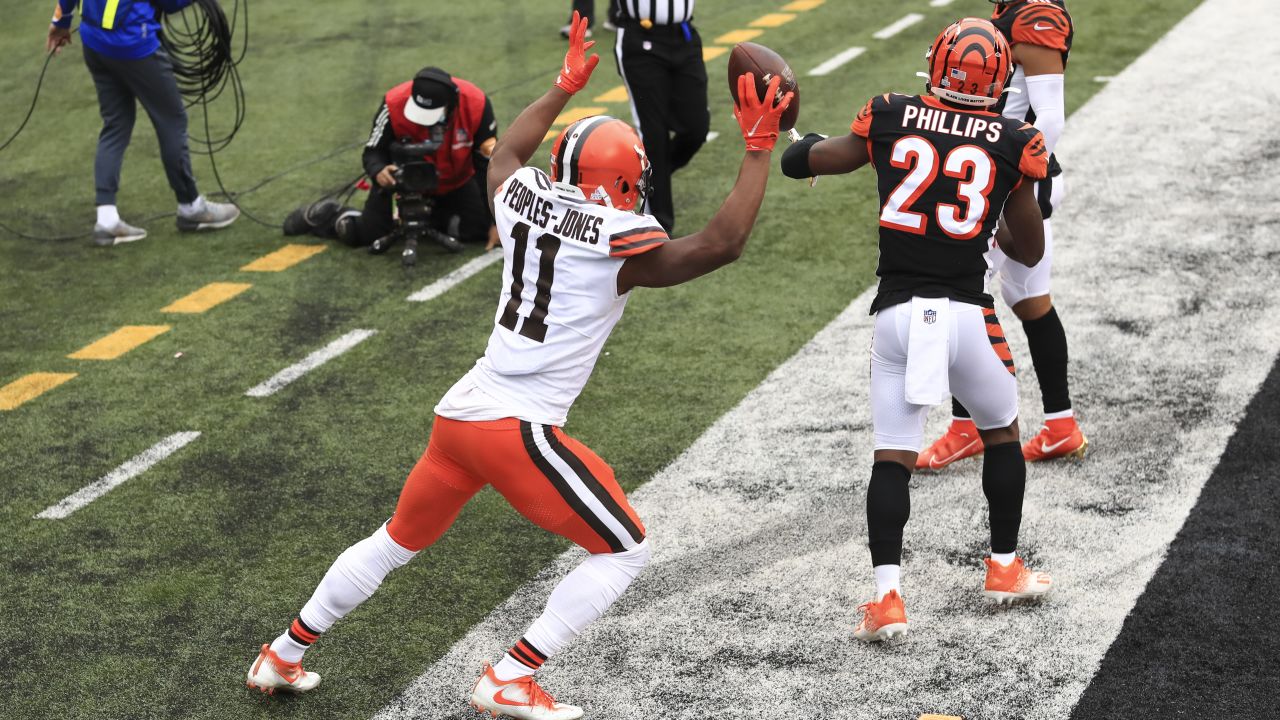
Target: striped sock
<point>522,660</point>
<point>294,642</point>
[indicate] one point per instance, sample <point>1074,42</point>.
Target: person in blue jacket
<point>123,52</point>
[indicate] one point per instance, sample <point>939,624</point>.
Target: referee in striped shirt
<point>659,55</point>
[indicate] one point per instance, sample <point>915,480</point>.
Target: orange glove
<point>577,66</point>
<point>759,118</point>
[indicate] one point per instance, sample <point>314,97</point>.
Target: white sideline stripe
<point>897,27</point>
<point>836,62</point>
<point>760,523</point>
<point>281,379</point>
<point>131,469</point>
<point>940,3</point>
<point>447,283</point>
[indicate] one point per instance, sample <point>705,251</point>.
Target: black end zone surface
<point>1203,640</point>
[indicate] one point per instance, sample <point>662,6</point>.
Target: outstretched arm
<point>524,136</point>
<point>724,238</point>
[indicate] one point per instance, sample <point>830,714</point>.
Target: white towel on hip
<point>928,354</point>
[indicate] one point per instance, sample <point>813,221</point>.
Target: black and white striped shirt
<point>658,12</point>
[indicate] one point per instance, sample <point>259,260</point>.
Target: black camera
<point>416,184</point>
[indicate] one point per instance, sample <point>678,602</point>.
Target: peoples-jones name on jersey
<point>575,225</point>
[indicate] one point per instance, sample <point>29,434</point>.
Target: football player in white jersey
<point>574,246</point>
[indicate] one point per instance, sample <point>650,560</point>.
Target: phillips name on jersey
<point>944,174</point>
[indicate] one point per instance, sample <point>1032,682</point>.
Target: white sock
<point>579,600</point>
<point>192,207</point>
<point>108,216</point>
<point>287,649</point>
<point>1060,414</point>
<point>351,580</point>
<point>1005,559</point>
<point>887,578</point>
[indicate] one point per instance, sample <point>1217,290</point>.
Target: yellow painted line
<point>711,51</point>
<point>618,94</point>
<point>736,36</point>
<point>772,20</point>
<point>119,342</point>
<point>802,5</point>
<point>284,258</point>
<point>576,114</point>
<point>206,297</point>
<point>550,134</point>
<point>29,387</point>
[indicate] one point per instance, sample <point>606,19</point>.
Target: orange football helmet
<point>969,63</point>
<point>604,158</point>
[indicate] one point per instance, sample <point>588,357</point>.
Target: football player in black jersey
<point>948,171</point>
<point>1040,34</point>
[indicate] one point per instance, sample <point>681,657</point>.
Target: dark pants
<point>467,202</point>
<point>667,79</point>
<point>122,84</point>
<point>587,9</point>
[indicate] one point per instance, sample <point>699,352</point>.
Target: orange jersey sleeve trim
<point>862,123</point>
<point>1043,25</point>
<point>1034,162</point>
<point>634,242</point>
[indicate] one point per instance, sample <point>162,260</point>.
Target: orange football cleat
<point>269,673</point>
<point>1060,437</point>
<point>883,619</point>
<point>521,698</point>
<point>960,441</point>
<point>1007,583</point>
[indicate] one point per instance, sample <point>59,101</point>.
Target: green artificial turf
<point>151,601</point>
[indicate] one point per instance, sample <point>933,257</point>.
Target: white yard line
<point>712,135</point>
<point>897,27</point>
<point>940,3</point>
<point>447,283</point>
<point>837,62</point>
<point>115,478</point>
<point>309,363</point>
<point>758,528</point>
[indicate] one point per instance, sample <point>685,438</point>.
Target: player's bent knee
<point>634,559</point>
<point>998,436</point>
<point>1033,308</point>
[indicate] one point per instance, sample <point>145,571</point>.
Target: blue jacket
<point>122,29</point>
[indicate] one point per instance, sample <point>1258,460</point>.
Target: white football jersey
<point>559,302</point>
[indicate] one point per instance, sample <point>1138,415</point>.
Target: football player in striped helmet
<point>1040,33</point>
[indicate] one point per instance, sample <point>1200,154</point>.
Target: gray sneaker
<point>209,217</point>
<point>121,232</point>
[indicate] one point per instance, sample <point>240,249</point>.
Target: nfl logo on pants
<point>930,317</point>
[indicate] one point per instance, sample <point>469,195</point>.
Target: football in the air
<point>749,57</point>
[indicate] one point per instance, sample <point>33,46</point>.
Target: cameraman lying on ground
<point>433,107</point>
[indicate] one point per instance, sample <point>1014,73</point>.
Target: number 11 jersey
<point>944,174</point>
<point>559,302</point>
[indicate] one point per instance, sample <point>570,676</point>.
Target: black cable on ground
<point>34,99</point>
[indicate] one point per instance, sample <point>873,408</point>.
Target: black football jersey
<point>944,174</point>
<point>1036,22</point>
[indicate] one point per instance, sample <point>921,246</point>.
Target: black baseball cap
<point>433,93</point>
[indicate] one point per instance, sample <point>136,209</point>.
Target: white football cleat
<point>269,673</point>
<point>521,698</point>
<point>1015,581</point>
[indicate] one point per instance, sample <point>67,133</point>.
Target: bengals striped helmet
<point>969,63</point>
<point>604,158</point>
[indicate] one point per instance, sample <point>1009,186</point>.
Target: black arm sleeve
<point>377,151</point>
<point>795,160</point>
<point>488,129</point>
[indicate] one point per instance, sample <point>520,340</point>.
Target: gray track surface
<point>1166,276</point>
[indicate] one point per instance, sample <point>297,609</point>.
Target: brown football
<point>749,57</point>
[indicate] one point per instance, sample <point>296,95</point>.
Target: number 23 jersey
<point>944,175</point>
<point>559,302</point>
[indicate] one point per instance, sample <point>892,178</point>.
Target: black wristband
<point>795,159</point>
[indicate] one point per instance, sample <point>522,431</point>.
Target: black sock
<point>1004,479</point>
<point>1047,341</point>
<point>958,410</point>
<point>888,507</point>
